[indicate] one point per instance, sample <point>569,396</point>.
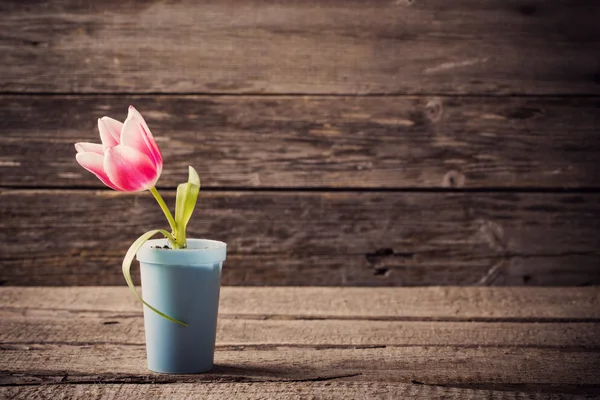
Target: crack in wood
<point>45,345</point>
<point>286,317</point>
<point>511,254</point>
<point>496,270</point>
<point>375,256</point>
<point>574,389</point>
<point>36,378</point>
<point>378,258</point>
<point>524,320</point>
<point>492,274</point>
<point>258,95</point>
<point>378,254</point>
<point>327,189</point>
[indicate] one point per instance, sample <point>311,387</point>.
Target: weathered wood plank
<point>314,238</point>
<point>101,328</point>
<point>262,354</point>
<point>429,365</point>
<point>301,46</point>
<point>425,303</point>
<point>273,390</point>
<point>279,141</point>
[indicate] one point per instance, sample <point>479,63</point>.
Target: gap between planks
<point>399,95</point>
<point>324,189</point>
<point>27,346</point>
<point>286,317</point>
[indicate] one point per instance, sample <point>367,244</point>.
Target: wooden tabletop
<point>289,342</point>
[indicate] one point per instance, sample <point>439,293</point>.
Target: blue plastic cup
<point>185,285</point>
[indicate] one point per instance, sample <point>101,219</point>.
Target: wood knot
<point>381,271</point>
<point>453,178</point>
<point>434,110</point>
<point>383,260</point>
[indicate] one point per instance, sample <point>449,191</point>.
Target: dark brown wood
<point>279,141</point>
<point>316,46</point>
<point>314,238</point>
<point>65,336</point>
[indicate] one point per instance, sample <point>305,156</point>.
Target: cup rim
<point>199,251</point>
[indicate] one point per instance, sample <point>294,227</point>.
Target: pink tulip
<point>128,159</point>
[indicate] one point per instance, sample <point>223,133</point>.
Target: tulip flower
<point>129,160</point>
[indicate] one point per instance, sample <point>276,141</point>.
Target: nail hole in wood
<point>453,179</point>
<point>433,110</point>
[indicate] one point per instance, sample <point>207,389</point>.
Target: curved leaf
<point>133,249</point>
<point>187,195</point>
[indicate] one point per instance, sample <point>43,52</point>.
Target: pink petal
<point>130,169</point>
<point>83,147</point>
<point>148,137</point>
<point>110,131</point>
<point>132,136</point>
<point>93,162</point>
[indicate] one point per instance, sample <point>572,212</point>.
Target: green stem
<point>166,211</point>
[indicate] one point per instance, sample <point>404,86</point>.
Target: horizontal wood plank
<point>239,333</point>
<point>316,142</point>
<point>429,365</point>
<point>262,390</point>
<point>316,46</point>
<point>314,238</point>
<point>422,303</point>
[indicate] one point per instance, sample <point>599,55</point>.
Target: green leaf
<point>187,195</point>
<point>127,265</point>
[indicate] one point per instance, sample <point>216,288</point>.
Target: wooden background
<point>399,142</point>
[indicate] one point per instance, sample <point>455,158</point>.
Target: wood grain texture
<point>51,327</point>
<point>318,142</point>
<point>317,46</point>
<point>307,238</point>
<point>275,390</point>
<point>60,338</point>
<point>420,303</point>
<point>109,363</point>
